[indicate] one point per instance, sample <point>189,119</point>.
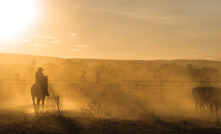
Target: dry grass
<point>75,123</point>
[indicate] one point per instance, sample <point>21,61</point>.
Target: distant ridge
<point>7,58</point>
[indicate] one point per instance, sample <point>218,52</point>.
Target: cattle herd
<point>209,97</point>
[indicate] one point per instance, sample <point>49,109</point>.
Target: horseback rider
<point>41,79</point>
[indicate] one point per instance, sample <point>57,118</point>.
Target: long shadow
<point>66,125</point>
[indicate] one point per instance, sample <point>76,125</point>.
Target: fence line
<point>9,85</point>
<point>12,82</point>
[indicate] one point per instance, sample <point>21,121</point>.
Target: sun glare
<point>15,15</point>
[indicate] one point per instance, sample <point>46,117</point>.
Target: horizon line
<point>117,59</point>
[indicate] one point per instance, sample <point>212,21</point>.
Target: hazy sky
<point>122,29</point>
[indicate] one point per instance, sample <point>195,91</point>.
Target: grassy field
<point>75,123</point>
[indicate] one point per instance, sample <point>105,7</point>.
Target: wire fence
<point>165,87</point>
<point>10,88</point>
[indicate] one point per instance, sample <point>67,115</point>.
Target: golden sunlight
<point>15,15</point>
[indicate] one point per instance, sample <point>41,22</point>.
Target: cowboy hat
<point>40,69</point>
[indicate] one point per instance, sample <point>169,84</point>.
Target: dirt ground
<point>13,122</point>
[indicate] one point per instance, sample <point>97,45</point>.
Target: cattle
<point>214,97</point>
<point>207,96</point>
<point>200,97</point>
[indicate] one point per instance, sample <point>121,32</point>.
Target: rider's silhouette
<point>40,79</point>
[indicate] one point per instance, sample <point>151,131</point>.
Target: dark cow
<point>214,97</point>
<point>210,96</point>
<point>200,97</point>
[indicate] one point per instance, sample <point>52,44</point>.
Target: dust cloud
<point>110,88</point>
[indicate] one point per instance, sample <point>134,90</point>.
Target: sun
<point>15,15</point>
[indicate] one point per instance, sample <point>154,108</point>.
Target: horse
<point>38,91</point>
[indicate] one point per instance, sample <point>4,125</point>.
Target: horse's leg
<point>33,100</point>
<point>43,103</point>
<point>34,105</point>
<point>38,102</point>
